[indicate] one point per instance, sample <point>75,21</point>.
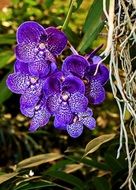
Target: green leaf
<point>37,160</point>
<point>67,178</point>
<point>7,39</point>
<point>31,2</point>
<point>15,2</point>
<point>48,3</point>
<point>92,26</point>
<point>101,183</point>
<point>89,37</point>
<point>5,177</point>
<point>94,144</point>
<point>4,91</point>
<point>114,164</point>
<point>5,58</point>
<point>94,15</point>
<point>93,163</point>
<point>90,162</point>
<point>76,5</point>
<point>60,165</point>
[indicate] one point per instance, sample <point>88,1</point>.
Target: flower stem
<point>68,15</point>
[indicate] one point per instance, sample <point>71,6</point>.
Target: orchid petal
<point>56,40</point>
<point>75,129</point>
<point>73,84</point>
<point>76,65</point>
<point>29,31</point>
<point>78,102</point>
<point>18,83</point>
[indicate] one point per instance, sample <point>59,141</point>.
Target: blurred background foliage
<point>48,158</point>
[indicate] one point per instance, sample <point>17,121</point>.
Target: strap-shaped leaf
<point>69,178</point>
<point>37,160</point>
<point>90,36</point>
<point>92,26</point>
<point>94,15</point>
<point>94,144</point>
<point>5,177</point>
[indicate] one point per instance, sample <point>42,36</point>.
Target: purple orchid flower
<point>32,100</point>
<point>38,46</point>
<point>65,98</point>
<point>30,87</point>
<point>85,69</point>
<point>41,115</point>
<point>81,119</point>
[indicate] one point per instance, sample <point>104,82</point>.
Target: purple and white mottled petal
<point>96,93</point>
<point>87,113</point>
<point>76,65</point>
<point>53,103</point>
<point>27,111</point>
<point>64,114</point>
<point>75,129</point>
<point>49,56</point>
<point>26,52</point>
<point>21,67</point>
<point>18,83</point>
<point>89,122</point>
<point>53,84</point>
<point>73,84</point>
<point>29,31</point>
<point>59,125</point>
<point>41,118</point>
<point>78,102</point>
<point>39,67</point>
<point>35,87</point>
<point>28,102</point>
<point>102,74</point>
<point>56,40</point>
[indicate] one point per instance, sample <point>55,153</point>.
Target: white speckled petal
<point>78,102</point>
<point>75,129</point>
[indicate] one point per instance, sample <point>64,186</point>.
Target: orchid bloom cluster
<point>47,91</point>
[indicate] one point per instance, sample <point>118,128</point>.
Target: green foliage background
<point>60,162</point>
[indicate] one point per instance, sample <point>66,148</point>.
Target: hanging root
<point>121,21</point>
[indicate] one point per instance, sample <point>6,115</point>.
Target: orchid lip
<point>42,46</point>
<point>33,80</point>
<point>76,118</point>
<point>65,96</point>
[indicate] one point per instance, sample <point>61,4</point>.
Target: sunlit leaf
<point>38,159</point>
<point>94,144</point>
<point>5,177</point>
<point>31,2</point>
<point>35,185</point>
<point>73,167</point>
<point>89,37</point>
<point>77,4</point>
<point>94,15</point>
<point>92,26</point>
<point>48,3</point>
<point>5,57</point>
<point>7,39</point>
